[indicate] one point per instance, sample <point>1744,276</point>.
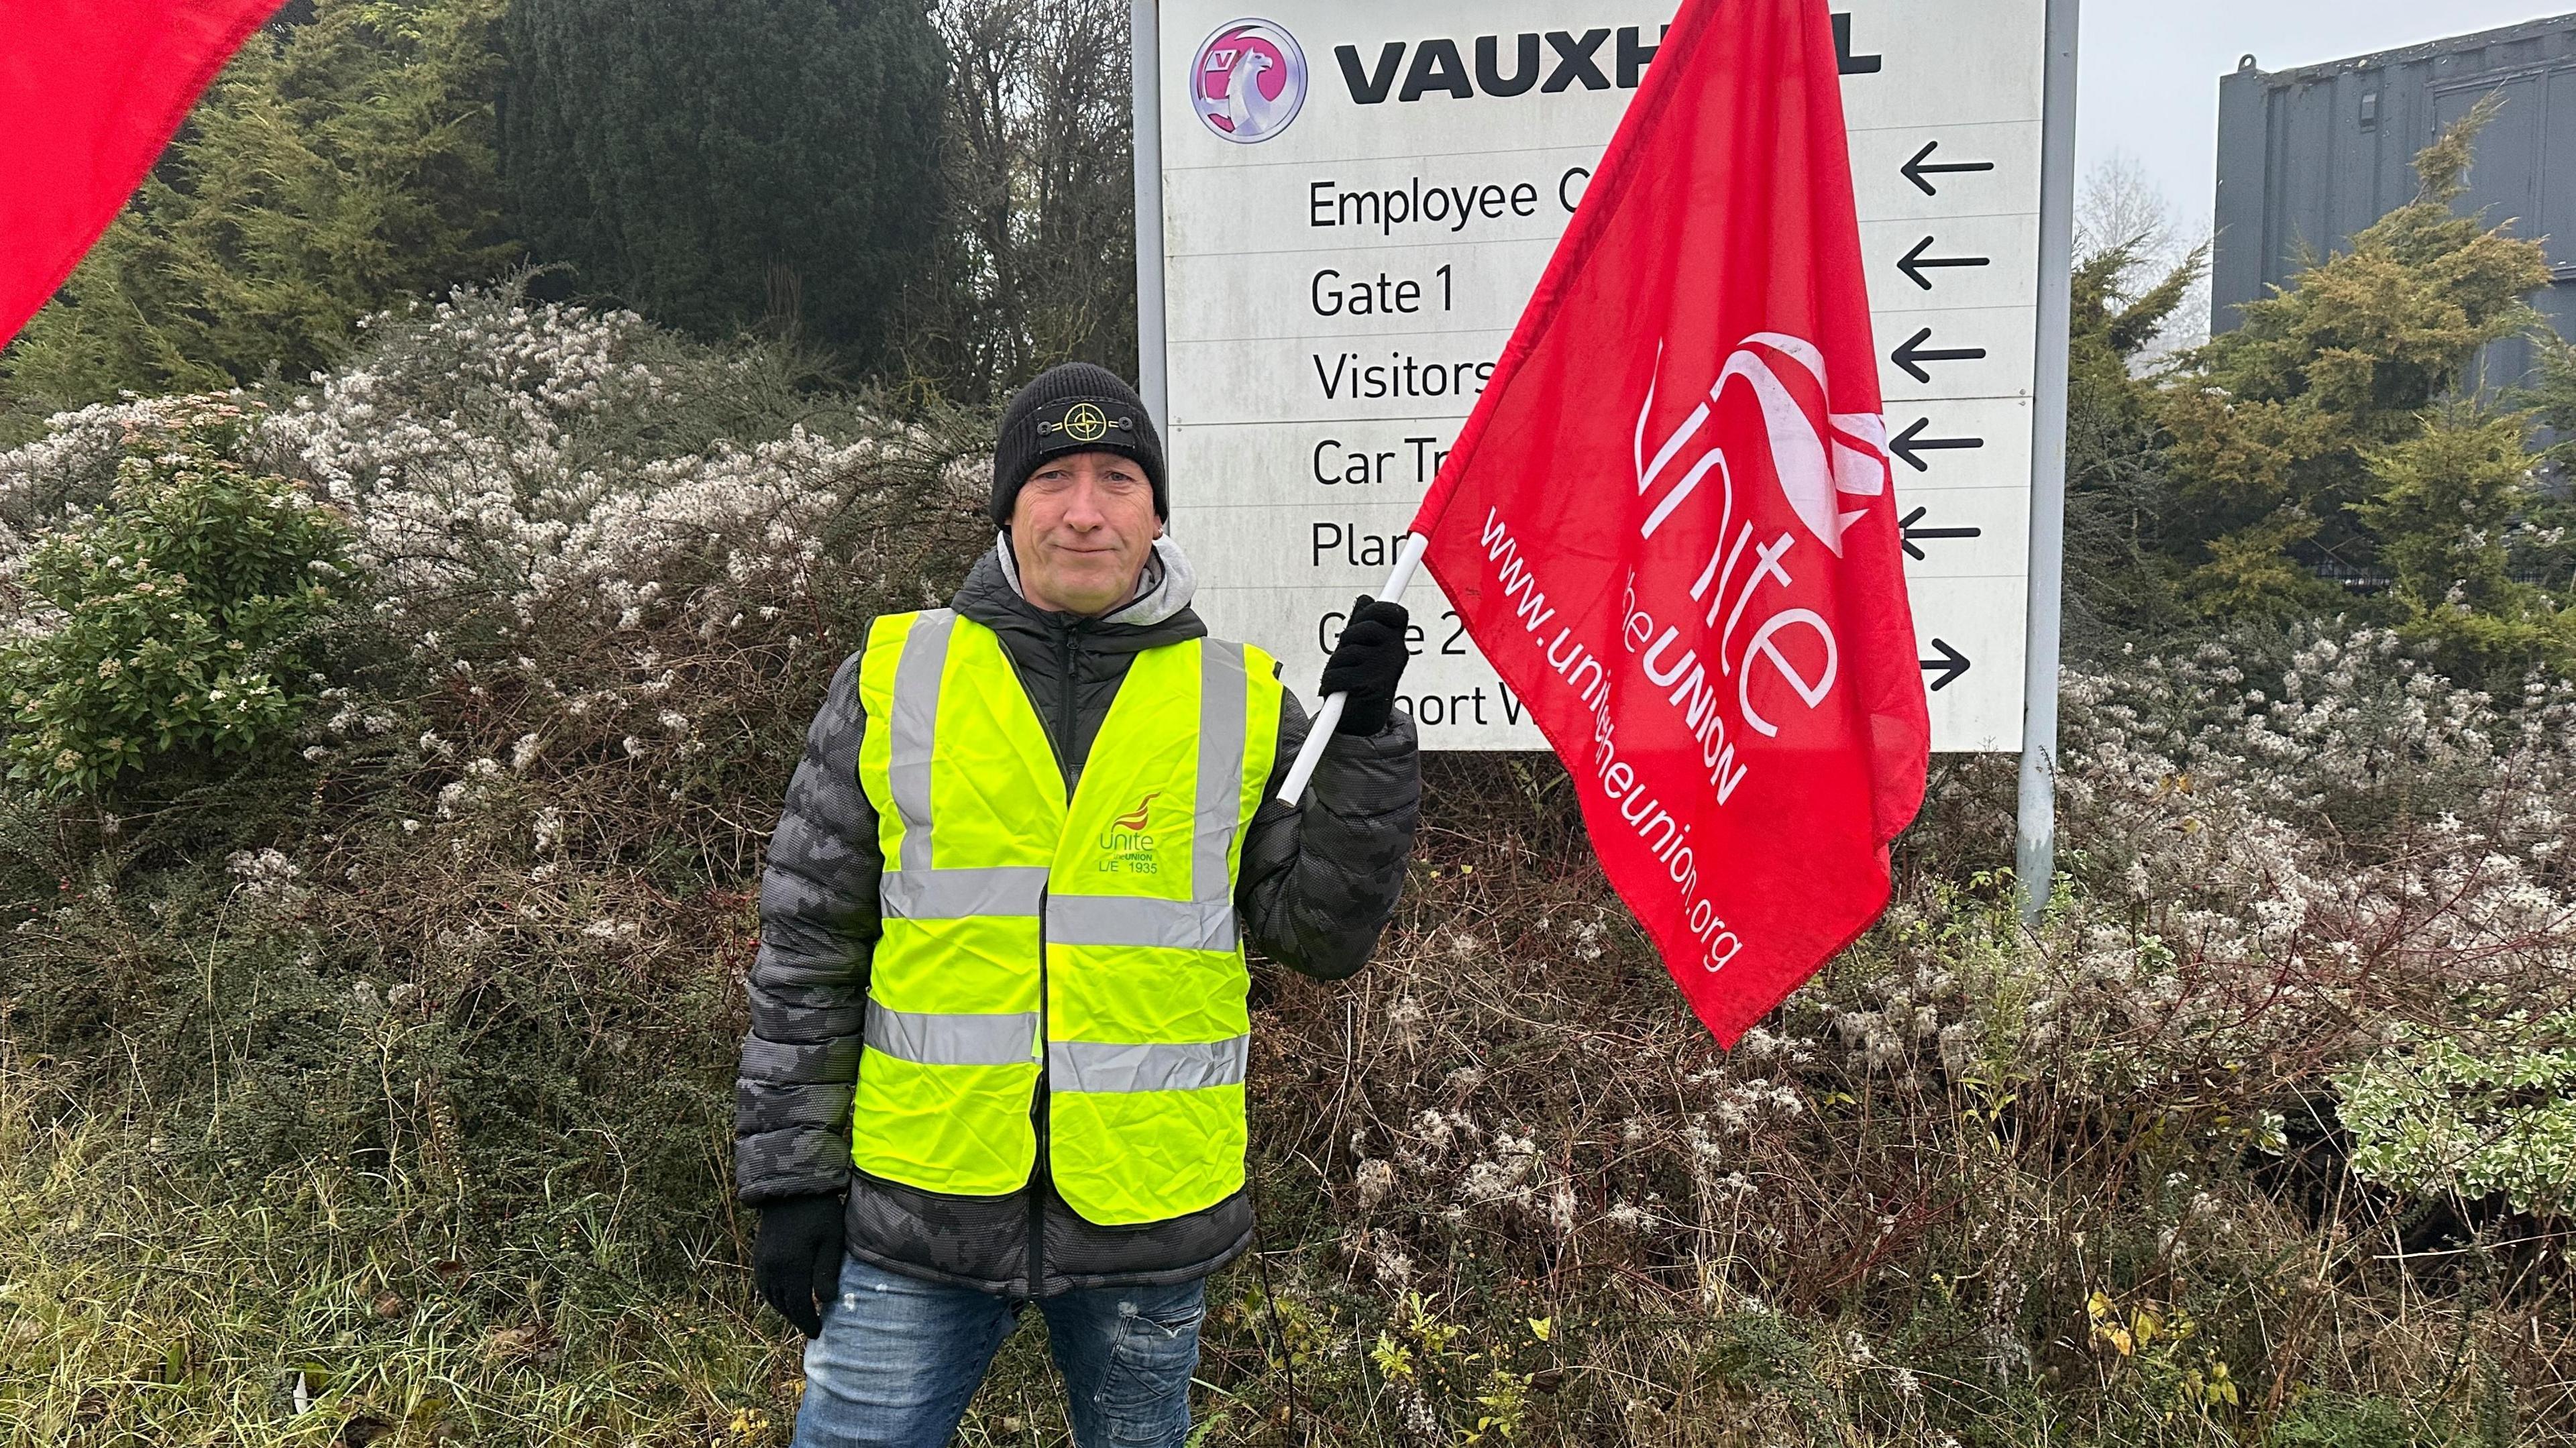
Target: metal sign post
<point>2035,854</point>
<point>1145,37</point>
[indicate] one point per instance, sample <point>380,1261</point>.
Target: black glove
<point>1368,664</point>
<point>796,1262</point>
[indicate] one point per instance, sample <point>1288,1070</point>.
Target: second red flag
<point>90,91</point>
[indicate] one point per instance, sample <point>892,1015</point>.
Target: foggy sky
<point>2151,67</point>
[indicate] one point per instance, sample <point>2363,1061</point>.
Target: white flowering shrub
<point>588,583</point>
<point>509,482</point>
<point>591,539</point>
<point>2303,873</point>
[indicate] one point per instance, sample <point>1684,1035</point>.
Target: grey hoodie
<point>1317,887</point>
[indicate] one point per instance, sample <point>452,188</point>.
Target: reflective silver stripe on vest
<point>915,729</point>
<point>1131,920</point>
<point>947,1040</point>
<point>1012,890</point>
<point>1090,1066</point>
<point>1221,727</point>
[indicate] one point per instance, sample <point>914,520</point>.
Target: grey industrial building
<point>2307,157</point>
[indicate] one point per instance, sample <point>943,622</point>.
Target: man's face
<point>1081,529</point>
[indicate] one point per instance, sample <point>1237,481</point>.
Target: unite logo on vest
<point>1125,847</point>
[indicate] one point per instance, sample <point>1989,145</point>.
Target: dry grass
<point>1793,1245</point>
<point>141,1306</point>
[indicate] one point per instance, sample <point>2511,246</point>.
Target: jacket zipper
<point>1042,1176</point>
<point>1065,710</point>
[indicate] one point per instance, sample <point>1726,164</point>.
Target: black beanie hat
<point>1076,407</point>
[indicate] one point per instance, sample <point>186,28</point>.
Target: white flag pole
<point>1322,730</point>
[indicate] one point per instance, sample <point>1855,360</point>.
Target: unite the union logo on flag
<point>1248,81</point>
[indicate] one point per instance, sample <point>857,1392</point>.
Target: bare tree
<point>1037,261</point>
<point>2120,205</point>
<point>2121,208</point>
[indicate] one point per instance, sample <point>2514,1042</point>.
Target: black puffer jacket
<point>1317,887</point>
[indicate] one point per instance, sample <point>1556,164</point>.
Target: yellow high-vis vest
<point>1094,935</point>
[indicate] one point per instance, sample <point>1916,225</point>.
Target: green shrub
<point>179,611</point>
<point>2440,1113</point>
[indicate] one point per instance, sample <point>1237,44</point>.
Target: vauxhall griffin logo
<point>1248,81</point>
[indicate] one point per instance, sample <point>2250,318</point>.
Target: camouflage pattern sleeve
<point>1320,881</point>
<point>818,928</point>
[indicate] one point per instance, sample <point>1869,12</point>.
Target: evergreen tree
<point>2121,580</point>
<point>2324,443</point>
<point>717,163</point>
<point>337,166</point>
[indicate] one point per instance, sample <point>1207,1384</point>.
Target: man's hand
<point>796,1262</point>
<point>1368,664</point>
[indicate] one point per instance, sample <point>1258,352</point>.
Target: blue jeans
<point>899,1359</point>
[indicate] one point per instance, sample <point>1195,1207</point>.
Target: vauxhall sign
<point>1343,207</point>
<point>1438,68</point>
<point>1597,59</point>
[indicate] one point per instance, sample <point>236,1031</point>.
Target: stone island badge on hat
<point>1082,424</point>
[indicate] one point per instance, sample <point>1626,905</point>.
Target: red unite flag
<point>90,91</point>
<point>1669,522</point>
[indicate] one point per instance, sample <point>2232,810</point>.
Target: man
<point>998,1019</point>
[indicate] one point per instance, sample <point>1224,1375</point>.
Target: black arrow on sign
<point>1916,263</point>
<point>1913,354</point>
<point>1915,170</point>
<point>1911,444</point>
<point>1929,534</point>
<point>1949,666</point>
